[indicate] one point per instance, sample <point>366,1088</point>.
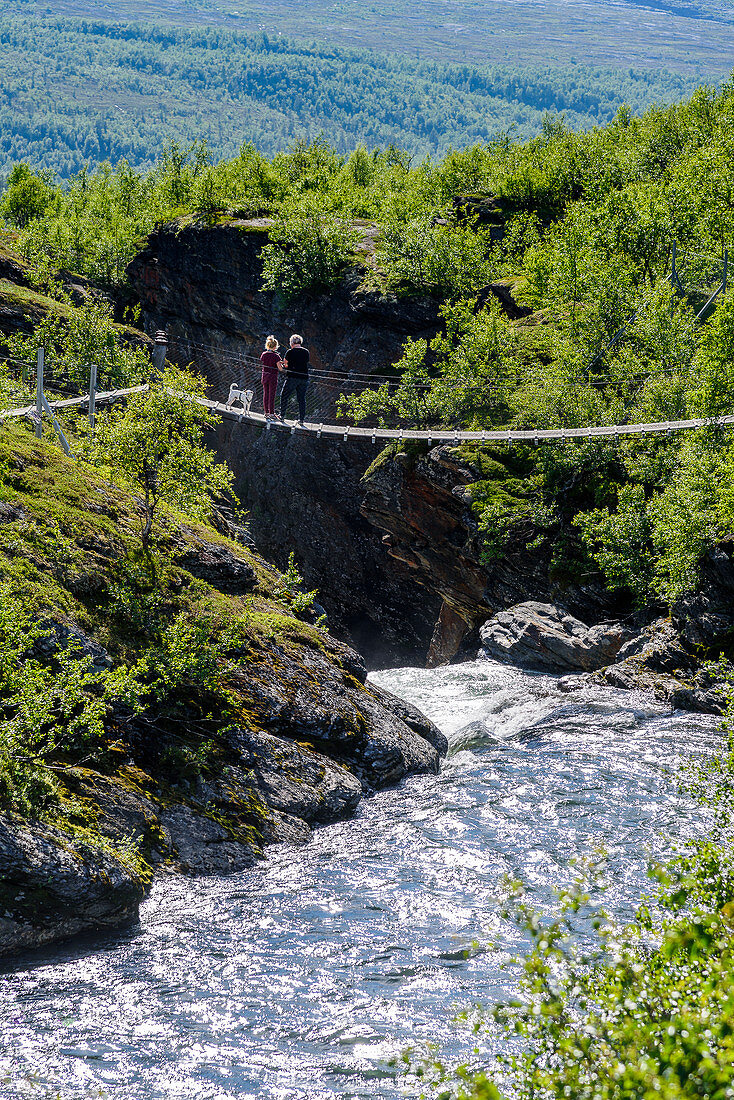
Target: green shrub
<point>308,251</point>
<point>28,195</point>
<point>50,714</point>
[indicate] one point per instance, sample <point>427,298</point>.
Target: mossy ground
<point>68,540</point>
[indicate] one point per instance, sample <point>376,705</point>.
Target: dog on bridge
<point>243,396</point>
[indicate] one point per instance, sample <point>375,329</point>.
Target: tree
<point>156,442</point>
<point>307,251</point>
<point>74,338</point>
<point>28,195</point>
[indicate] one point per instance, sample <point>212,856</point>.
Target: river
<point>305,977</point>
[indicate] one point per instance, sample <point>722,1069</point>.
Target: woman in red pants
<point>272,363</point>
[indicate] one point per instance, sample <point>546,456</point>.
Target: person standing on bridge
<point>271,364</point>
<point>296,377</point>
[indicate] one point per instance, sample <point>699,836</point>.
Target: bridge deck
<point>434,435</point>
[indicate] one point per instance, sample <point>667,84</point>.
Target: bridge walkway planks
<point>346,432</point>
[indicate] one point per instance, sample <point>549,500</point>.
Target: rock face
<point>203,286</point>
<point>304,495</point>
<point>705,618</point>
<point>545,638</point>
<point>51,889</point>
<point>423,502</point>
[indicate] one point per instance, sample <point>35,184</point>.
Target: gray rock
<point>656,662</point>
<point>62,636</point>
<point>291,779</point>
<point>389,749</point>
<point>310,700</point>
<point>412,718</point>
<point>705,618</point>
<point>52,887</point>
<point>543,637</point>
<point>218,566</point>
<point>121,810</point>
<point>203,846</point>
<point>11,513</point>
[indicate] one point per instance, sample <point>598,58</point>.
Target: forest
<point>77,92</point>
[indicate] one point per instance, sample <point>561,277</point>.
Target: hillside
<point>178,706</point>
<point>686,36</point>
<point>78,91</point>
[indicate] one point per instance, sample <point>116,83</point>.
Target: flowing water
<point>305,977</point>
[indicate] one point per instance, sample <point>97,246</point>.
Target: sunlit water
<point>305,977</point>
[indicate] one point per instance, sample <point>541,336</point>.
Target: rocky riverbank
<point>193,784</point>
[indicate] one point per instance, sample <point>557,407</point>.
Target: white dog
<point>243,396</point>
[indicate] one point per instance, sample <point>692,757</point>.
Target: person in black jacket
<point>296,377</point>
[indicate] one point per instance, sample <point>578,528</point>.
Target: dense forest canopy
<point>77,92</point>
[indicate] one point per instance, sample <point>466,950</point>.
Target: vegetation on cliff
<point>125,623</point>
<point>551,261</point>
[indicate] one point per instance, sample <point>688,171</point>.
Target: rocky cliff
<point>390,540</point>
<point>422,499</point>
<point>202,285</point>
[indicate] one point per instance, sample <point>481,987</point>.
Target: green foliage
<point>156,442</point>
<point>653,542</point>
<point>28,195</point>
<point>423,254</point>
<point>620,541</point>
<point>50,712</point>
<point>292,590</point>
<point>76,337</point>
<point>80,91</point>
<point>308,250</point>
<point>713,367</point>
<point>473,369</point>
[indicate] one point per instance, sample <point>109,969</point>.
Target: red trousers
<point>270,385</point>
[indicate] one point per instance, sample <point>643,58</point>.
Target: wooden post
<point>92,395</point>
<point>726,270</point>
<point>57,427</point>
<point>39,392</point>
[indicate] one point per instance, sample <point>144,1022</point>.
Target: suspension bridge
<point>346,432</point>
<point>227,370</point>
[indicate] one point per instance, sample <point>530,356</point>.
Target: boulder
<point>217,566</point>
<point>413,718</point>
<point>53,887</point>
<point>61,637</point>
<point>289,778</point>
<point>202,845</point>
<point>545,638</point>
